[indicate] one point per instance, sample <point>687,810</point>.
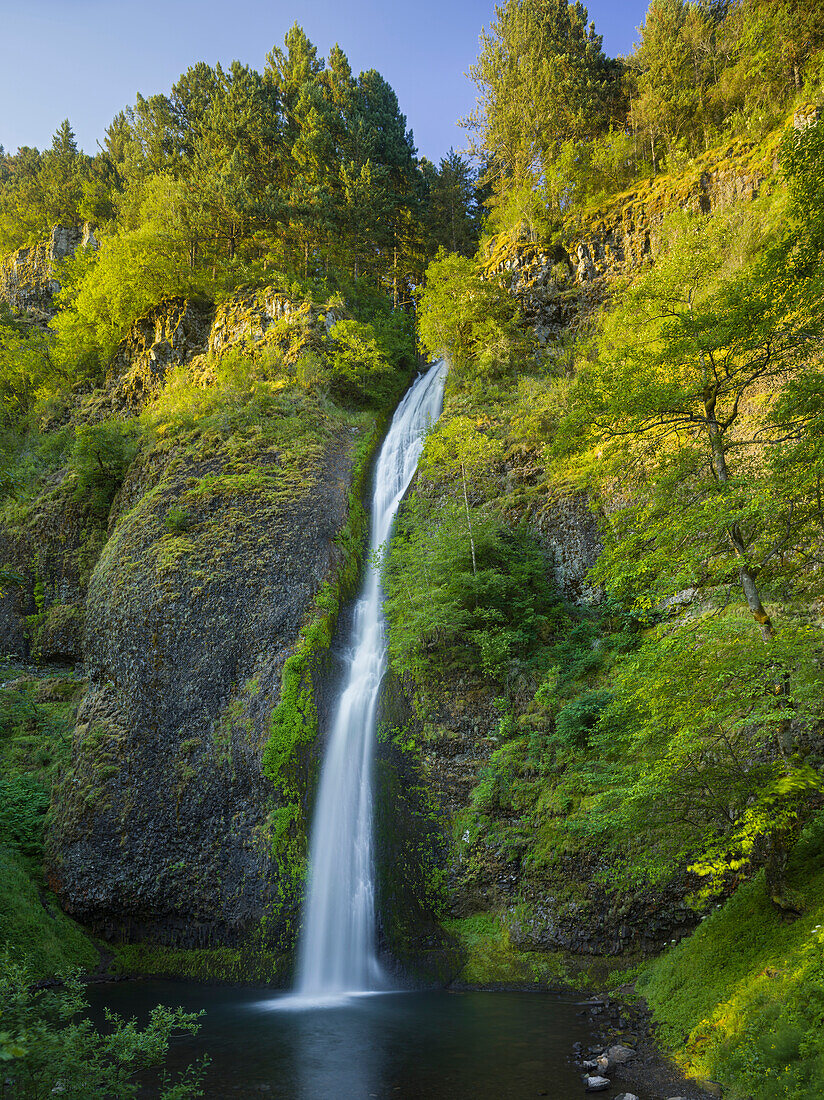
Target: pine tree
<point>542,80</point>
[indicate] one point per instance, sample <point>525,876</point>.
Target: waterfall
<point>337,951</point>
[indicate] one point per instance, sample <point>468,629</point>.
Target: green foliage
<point>23,806</point>
<point>576,721</point>
<point>685,366</point>
<point>36,717</point>
<point>26,371</point>
<point>542,79</point>
<point>447,614</point>
<point>32,924</point>
<point>452,215</point>
<point>472,320</point>
<point>693,753</point>
<point>360,369</point>
<point>559,127</point>
<point>100,457</point>
<point>105,290</point>
<point>741,999</point>
<point>178,520</point>
<point>60,185</point>
<point>35,721</point>
<point>802,159</point>
<point>45,1048</point>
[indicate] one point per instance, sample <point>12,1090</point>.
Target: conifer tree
<point>542,79</point>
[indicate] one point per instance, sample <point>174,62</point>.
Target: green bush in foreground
<point>47,1047</point>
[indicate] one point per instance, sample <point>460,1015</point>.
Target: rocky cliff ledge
<point>27,277</point>
<point>553,283</point>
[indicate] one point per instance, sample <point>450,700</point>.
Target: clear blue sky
<point>87,59</point>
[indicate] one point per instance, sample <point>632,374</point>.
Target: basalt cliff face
<point>180,604</point>
<point>161,826</point>
<point>27,277</point>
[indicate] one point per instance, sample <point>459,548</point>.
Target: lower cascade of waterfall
<point>337,951</point>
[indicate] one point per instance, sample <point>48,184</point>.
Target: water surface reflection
<point>409,1046</point>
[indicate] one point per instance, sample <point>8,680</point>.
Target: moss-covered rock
<point>162,823</point>
<point>58,635</point>
<point>52,544</point>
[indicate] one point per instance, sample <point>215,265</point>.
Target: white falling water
<point>337,948</point>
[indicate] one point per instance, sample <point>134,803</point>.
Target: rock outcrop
<point>183,331</point>
<point>172,333</point>
<point>55,540</point>
<point>53,547</point>
<point>569,530</point>
<point>27,279</point>
<point>555,283</point>
<point>162,823</point>
<point>182,606</point>
<point>623,236</point>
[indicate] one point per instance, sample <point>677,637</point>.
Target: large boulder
<point>162,823</point>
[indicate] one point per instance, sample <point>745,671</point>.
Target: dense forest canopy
<point>558,124</point>
<point>304,169</point>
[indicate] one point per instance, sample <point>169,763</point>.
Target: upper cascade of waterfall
<point>337,952</point>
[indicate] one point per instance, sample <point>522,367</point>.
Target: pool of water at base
<point>394,1046</point>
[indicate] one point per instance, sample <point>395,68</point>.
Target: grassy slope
<point>36,713</point>
<point>742,1000</point>
<point>33,928</point>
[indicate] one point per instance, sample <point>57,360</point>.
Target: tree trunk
<point>745,573</point>
<point>777,846</point>
<point>469,522</point>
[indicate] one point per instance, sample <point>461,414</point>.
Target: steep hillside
<point>175,529</point>
<point>516,723</point>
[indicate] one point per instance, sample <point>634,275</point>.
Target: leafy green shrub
<point>471,319</point>
<point>359,367</point>
<point>446,610</point>
<point>103,291</point>
<point>178,520</point>
<point>23,806</point>
<point>576,721</point>
<point>100,457</point>
<point>691,759</point>
<point>48,1047</point>
<point>25,371</point>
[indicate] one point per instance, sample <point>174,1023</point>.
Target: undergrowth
<point>742,1000</point>
<point>36,717</point>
